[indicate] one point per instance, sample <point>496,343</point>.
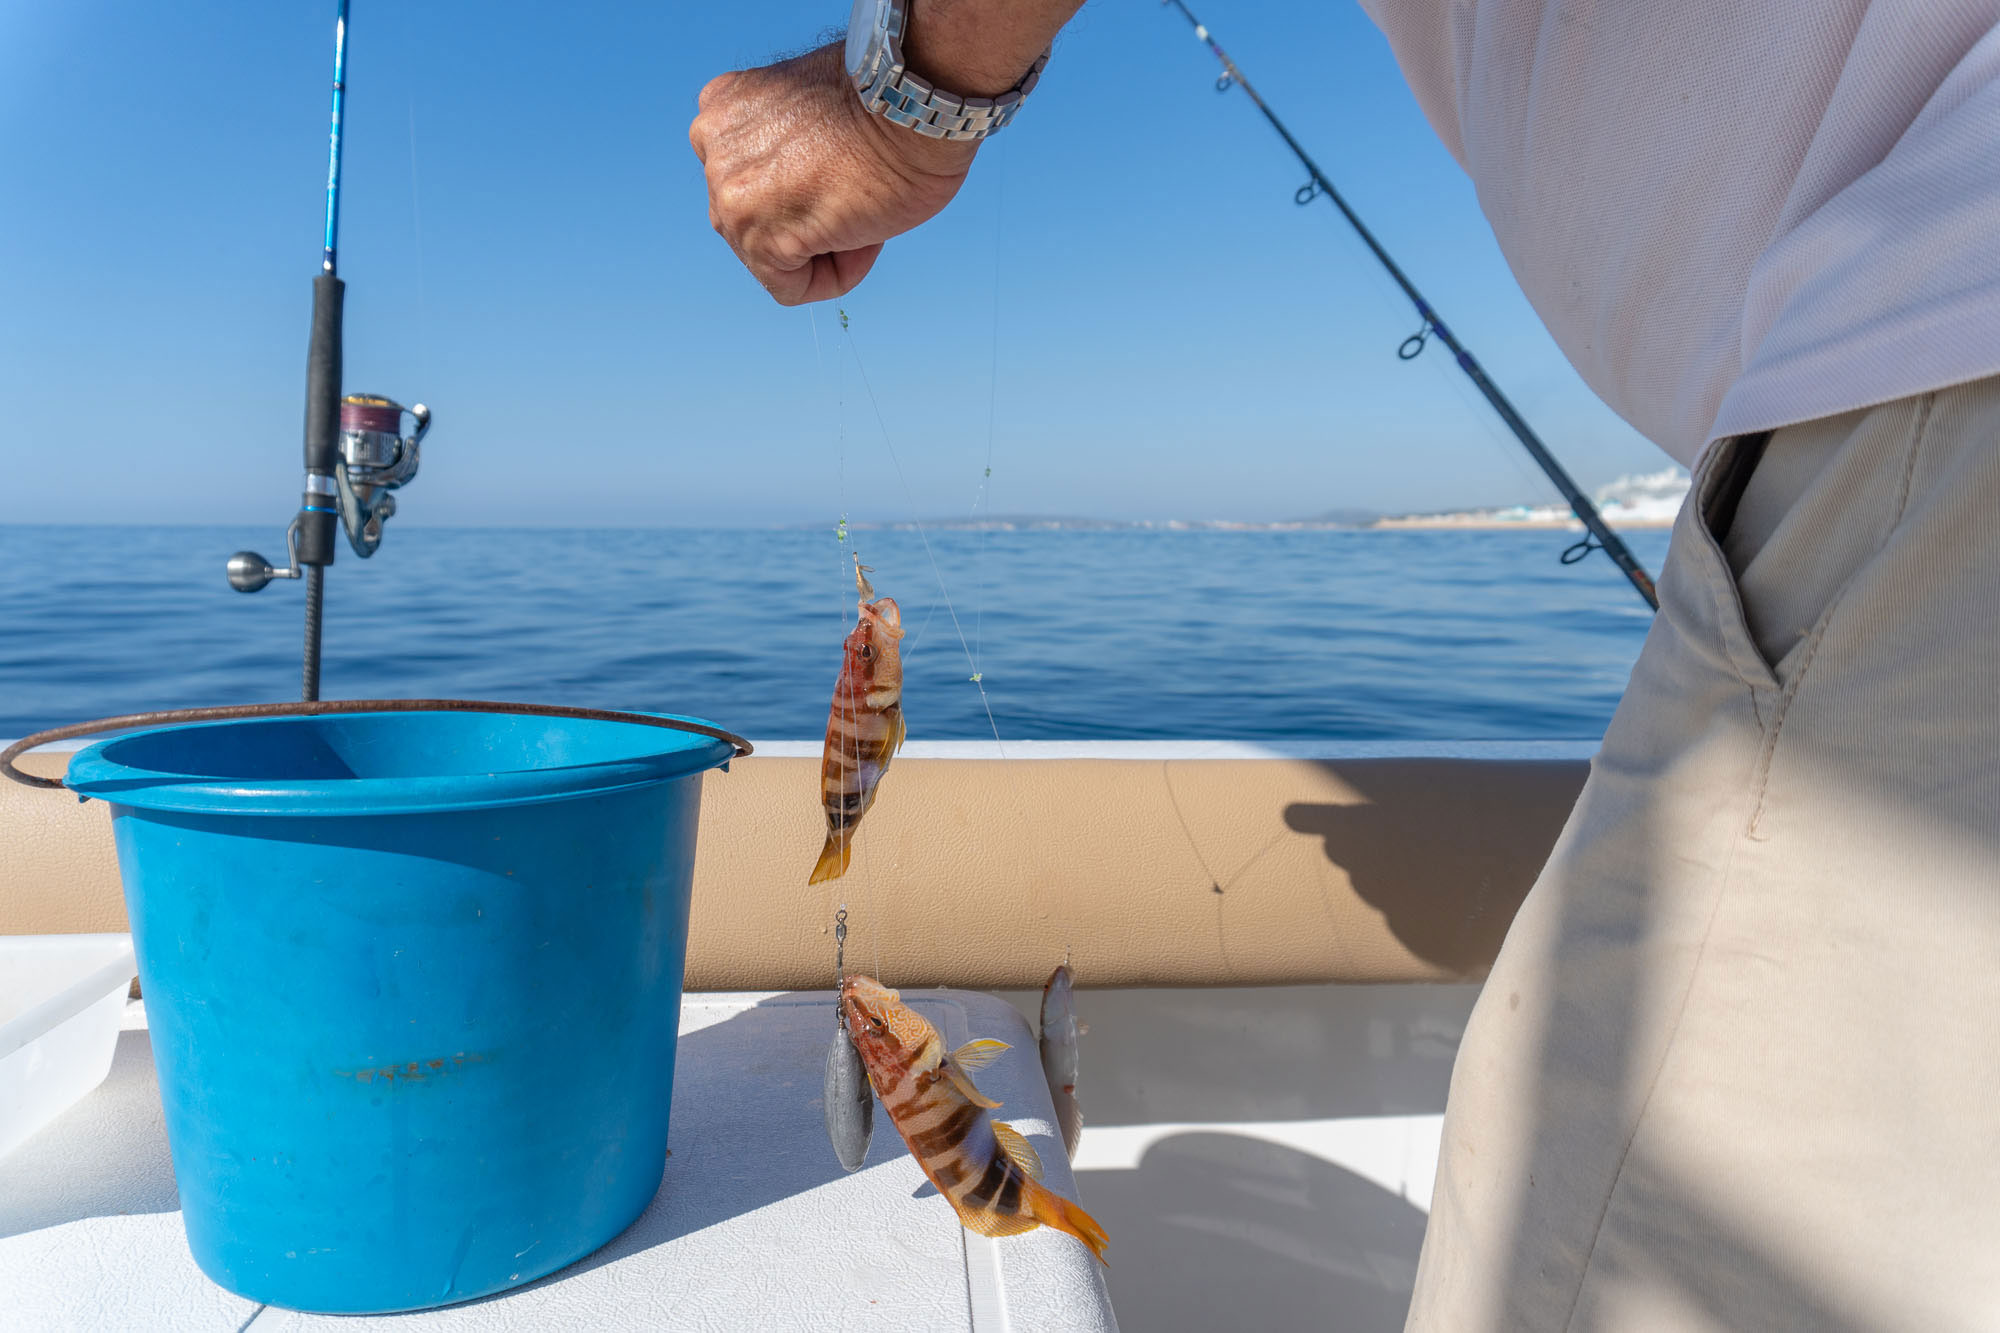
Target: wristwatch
<point>875,63</point>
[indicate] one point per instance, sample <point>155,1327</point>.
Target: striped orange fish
<point>983,1166</point>
<point>864,729</point>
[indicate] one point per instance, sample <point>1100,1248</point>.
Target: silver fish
<point>850,1104</point>
<point>1060,1029</point>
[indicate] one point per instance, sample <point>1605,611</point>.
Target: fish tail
<point>833,859</point>
<point>1052,1210</point>
<point>1069,1118</point>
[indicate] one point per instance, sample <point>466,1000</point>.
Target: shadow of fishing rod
<point>1598,535</point>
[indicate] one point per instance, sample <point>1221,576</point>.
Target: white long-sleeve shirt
<point>1733,215</point>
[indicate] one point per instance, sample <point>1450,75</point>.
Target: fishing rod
<point>323,355</point>
<point>355,452</point>
<point>1598,535</point>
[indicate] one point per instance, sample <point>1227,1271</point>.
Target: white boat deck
<point>755,1224</point>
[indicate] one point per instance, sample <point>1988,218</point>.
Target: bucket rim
<point>96,772</point>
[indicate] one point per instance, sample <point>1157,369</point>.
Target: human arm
<point>805,185</point>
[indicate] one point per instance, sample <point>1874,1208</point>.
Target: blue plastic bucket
<point>413,981</point>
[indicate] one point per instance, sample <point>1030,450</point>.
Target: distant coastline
<point>1637,502</point>
<point>1478,521</point>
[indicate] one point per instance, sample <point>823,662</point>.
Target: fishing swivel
<point>840,941</point>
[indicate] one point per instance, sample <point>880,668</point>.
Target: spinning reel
<point>374,459</point>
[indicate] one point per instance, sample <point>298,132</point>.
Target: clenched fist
<point>804,184</point>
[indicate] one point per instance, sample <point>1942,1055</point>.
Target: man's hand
<point>804,184</point>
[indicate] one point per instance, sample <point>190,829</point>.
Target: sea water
<point>1129,634</point>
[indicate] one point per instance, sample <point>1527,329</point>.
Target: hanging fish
<point>850,1106</point>
<point>864,729</point>
<point>983,1167</point>
<point>1060,1029</point>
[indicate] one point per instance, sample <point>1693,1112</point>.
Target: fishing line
<point>840,428</point>
<point>1536,483</point>
<point>984,494</point>
<point>847,553</point>
<point>417,231</point>
<point>840,408</point>
<point>840,528</point>
<point>977,678</point>
<point>929,611</point>
<point>982,500</point>
<point>853,346</point>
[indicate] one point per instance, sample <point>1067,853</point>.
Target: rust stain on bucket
<point>414,1071</point>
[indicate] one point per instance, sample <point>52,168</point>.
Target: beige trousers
<point>1738,1063</point>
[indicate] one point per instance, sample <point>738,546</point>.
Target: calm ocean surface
<point>1121,634</point>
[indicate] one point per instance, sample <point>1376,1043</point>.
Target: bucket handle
<point>322,708</point>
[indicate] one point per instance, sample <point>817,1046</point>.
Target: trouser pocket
<point>1718,489</point>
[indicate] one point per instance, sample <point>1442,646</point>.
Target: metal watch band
<point>900,97</point>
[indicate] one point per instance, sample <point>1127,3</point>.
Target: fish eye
<point>878,1025</point>
<point>867,652</point>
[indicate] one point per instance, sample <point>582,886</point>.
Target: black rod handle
<point>322,421</point>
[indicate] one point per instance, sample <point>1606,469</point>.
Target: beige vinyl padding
<point>982,873</point>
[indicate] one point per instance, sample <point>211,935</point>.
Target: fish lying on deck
<point>983,1167</point>
<point>864,728</point>
<point>1060,1029</point>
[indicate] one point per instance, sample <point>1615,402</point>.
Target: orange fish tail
<point>1052,1210</point>
<point>833,859</point>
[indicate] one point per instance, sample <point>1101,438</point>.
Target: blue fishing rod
<point>354,447</point>
<point>1598,534</point>
<point>355,458</point>
<point>318,508</point>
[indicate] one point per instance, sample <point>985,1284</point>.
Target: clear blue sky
<point>525,239</point>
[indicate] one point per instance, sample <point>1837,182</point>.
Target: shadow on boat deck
<point>1214,1224</point>
<point>126,1169</point>
<point>1234,1232</point>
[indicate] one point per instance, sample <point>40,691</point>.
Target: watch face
<point>862,26</point>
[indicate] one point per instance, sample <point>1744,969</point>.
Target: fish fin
<point>964,1085</point>
<point>902,734</point>
<point>1069,1119</point>
<point>833,859</point>
<point>1019,1149</point>
<point>1053,1211</point>
<point>976,1055</point>
<point>983,1223</point>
